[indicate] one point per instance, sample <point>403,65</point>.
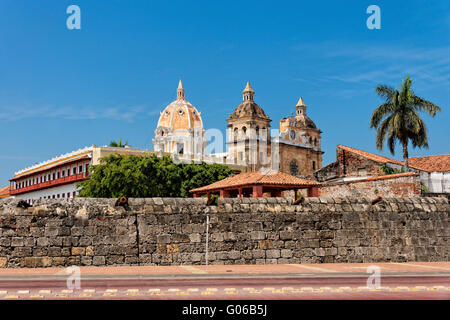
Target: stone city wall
<point>172,231</point>
<point>394,185</point>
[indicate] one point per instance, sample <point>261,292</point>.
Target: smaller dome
<point>248,108</point>
<point>305,122</point>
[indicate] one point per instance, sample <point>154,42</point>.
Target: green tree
<point>118,144</point>
<point>402,122</point>
<point>148,176</point>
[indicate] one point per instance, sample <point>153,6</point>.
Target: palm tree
<point>118,144</point>
<point>402,122</point>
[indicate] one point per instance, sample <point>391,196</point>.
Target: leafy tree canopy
<point>398,119</point>
<point>148,176</point>
<point>118,144</point>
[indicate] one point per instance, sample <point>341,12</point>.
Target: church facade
<point>294,148</point>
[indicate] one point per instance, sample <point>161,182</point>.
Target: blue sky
<point>62,89</point>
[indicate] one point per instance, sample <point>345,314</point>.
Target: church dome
<point>180,114</point>
<point>306,122</point>
<point>248,108</point>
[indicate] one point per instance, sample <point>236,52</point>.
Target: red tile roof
<point>439,163</point>
<point>370,156</point>
<point>258,178</point>
<point>5,192</point>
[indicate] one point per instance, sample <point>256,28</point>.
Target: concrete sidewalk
<point>329,269</point>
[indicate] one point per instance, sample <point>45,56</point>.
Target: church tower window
<point>293,168</point>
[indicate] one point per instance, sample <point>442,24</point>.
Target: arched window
<point>293,168</point>
<point>235,134</point>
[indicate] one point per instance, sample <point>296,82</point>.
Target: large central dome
<point>180,114</point>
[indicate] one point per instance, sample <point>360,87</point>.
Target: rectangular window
<point>53,196</point>
<point>57,175</point>
<point>53,176</point>
<point>63,195</point>
<point>86,168</point>
<point>314,165</point>
<point>68,195</point>
<point>74,170</point>
<point>63,173</point>
<point>74,194</point>
<point>80,169</point>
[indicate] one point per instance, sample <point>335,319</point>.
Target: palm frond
<point>380,112</point>
<point>385,91</point>
<point>425,106</point>
<point>381,132</point>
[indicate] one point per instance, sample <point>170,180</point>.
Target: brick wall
<point>394,185</point>
<point>348,164</point>
<point>171,231</point>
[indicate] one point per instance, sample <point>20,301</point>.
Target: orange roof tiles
<point>5,192</point>
<point>258,178</point>
<point>439,163</point>
<point>370,156</point>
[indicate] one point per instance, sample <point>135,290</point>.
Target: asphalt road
<point>423,285</point>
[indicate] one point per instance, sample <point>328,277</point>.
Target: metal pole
<point>207,236</point>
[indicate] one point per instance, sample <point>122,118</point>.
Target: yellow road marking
<point>192,289</point>
<point>133,290</point>
<point>36,296</point>
<point>23,291</point>
<point>109,294</point>
<point>61,295</point>
<point>306,288</point>
<point>89,290</point>
<point>85,295</point>
<point>12,297</point>
<point>173,290</point>
<point>256,291</point>
<point>67,291</point>
<point>287,288</point>
<point>154,290</point>
<point>269,289</point>
<point>229,289</point>
<point>182,293</point>
<point>277,291</point>
<point>45,291</point>
<point>230,292</point>
<point>207,292</point>
<point>111,290</point>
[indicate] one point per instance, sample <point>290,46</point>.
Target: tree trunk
<point>405,155</point>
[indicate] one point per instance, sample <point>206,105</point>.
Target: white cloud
<point>128,113</point>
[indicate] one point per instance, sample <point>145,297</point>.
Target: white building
<point>434,172</point>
